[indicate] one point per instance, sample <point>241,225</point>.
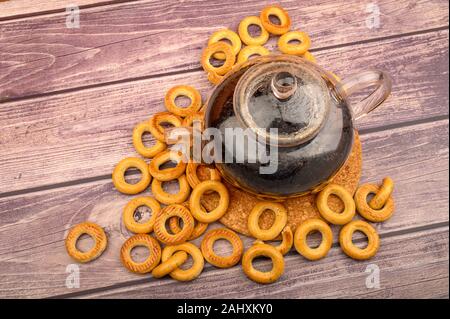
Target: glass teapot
<point>295,110</point>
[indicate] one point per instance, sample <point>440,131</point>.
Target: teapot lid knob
<point>283,85</point>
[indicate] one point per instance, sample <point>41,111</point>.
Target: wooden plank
<point>426,289</point>
<point>22,8</point>
<point>152,37</point>
<point>402,275</point>
<point>33,226</point>
<point>83,134</point>
<point>385,155</point>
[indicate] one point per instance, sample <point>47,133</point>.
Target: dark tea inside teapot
<point>285,124</point>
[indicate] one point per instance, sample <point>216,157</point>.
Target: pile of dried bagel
<point>187,219</point>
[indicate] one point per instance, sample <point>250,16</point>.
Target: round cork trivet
<point>299,208</point>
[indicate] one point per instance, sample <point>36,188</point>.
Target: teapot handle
<point>382,89</point>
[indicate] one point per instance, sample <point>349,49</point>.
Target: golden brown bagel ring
<point>128,214</point>
<point>383,194</point>
<point>277,226</point>
<point>169,198</point>
<point>250,50</point>
<point>245,35</point>
<point>364,209</point>
<point>183,90</point>
<point>151,261</point>
<point>213,49</point>
<point>207,247</point>
<point>188,121</point>
<point>199,228</point>
<point>331,216</point>
<point>197,257</point>
<point>192,177</point>
<point>294,49</point>
<point>302,232</point>
<point>198,211</point>
<point>138,131</point>
<point>118,176</point>
<point>214,78</point>
<point>345,240</point>
<point>308,56</point>
<point>163,117</point>
<point>97,234</point>
<point>167,174</point>
<point>160,225</point>
<point>225,34</point>
<point>266,251</point>
<point>287,240</point>
<point>281,14</point>
<point>170,264</point>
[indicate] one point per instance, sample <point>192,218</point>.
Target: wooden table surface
<point>69,98</point>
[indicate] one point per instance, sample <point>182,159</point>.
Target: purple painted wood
<point>336,276</point>
<point>79,92</point>
<point>84,134</point>
<point>34,225</point>
<point>41,55</point>
<point>15,9</point>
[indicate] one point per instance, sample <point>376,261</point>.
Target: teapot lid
<point>284,94</point>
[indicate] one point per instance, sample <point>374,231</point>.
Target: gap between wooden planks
<point>42,56</point>
<point>33,226</point>
<point>81,135</point>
